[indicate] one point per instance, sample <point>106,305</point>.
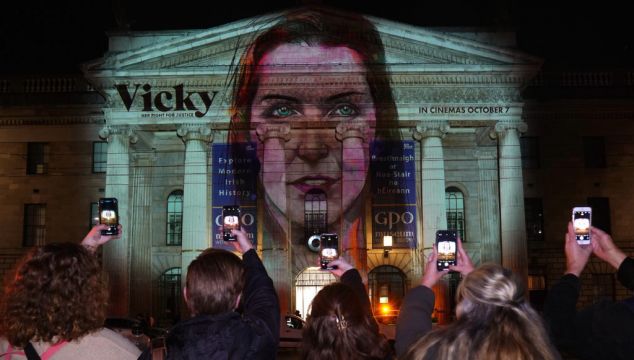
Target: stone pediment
<point>214,51</point>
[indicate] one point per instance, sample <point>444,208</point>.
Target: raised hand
<point>604,248</point>
<point>464,264</point>
<point>339,266</point>
<point>432,275</point>
<point>576,255</point>
<point>242,243</point>
<point>94,239</point>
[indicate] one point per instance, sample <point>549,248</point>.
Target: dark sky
<point>56,36</point>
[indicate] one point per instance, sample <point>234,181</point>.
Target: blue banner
<point>234,182</point>
<point>394,193</point>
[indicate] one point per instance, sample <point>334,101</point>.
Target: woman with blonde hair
<point>494,318</point>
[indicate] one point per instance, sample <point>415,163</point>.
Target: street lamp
<point>387,245</point>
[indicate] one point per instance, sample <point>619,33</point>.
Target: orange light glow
<point>385,309</point>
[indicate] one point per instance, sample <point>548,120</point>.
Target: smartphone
<point>109,215</point>
<point>581,221</point>
<point>447,245</point>
<point>329,250</point>
<point>230,221</point>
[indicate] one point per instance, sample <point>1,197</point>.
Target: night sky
<point>56,36</point>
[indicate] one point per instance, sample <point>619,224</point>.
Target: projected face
<point>313,88</point>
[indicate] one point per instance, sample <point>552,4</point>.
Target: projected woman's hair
<point>313,92</point>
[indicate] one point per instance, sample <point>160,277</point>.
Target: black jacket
<point>414,319</point>
<point>604,330</point>
<point>254,334</point>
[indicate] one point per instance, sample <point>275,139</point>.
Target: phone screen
<point>329,250</point>
<point>109,215</point>
<point>446,243</point>
<point>581,221</point>
<point>230,221</point>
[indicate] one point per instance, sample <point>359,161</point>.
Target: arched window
<point>454,202</point>
<point>315,212</point>
<point>175,218</point>
<point>170,296</point>
<point>386,285</point>
<point>307,285</point>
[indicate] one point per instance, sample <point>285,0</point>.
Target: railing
<point>45,84</point>
<point>582,79</point>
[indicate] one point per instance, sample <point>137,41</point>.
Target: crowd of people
<point>54,307</point>
<point>55,304</point>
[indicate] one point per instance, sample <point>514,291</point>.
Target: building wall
<point>561,181</point>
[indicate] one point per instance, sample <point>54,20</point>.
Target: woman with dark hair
<point>55,305</point>
<point>314,90</point>
<point>340,325</point>
<point>494,318</point>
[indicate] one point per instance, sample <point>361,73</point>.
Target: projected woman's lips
<point>307,183</point>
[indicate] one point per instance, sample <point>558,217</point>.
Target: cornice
<point>411,47</point>
<point>53,121</point>
<point>456,95</point>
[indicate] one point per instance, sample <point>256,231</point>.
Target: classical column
<point>488,206</point>
<point>196,227</point>
<point>513,227</point>
<point>116,254</point>
<point>430,134</point>
<point>432,169</point>
<point>276,250</point>
<point>141,232</point>
<point>354,169</point>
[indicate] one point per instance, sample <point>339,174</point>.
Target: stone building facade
<point>499,151</point>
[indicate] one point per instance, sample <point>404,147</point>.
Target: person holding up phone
<point>603,330</point>
<point>494,318</point>
<point>218,281</point>
<point>340,324</point>
<point>55,305</point>
<point>419,301</point>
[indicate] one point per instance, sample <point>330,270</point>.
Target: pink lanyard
<point>45,355</point>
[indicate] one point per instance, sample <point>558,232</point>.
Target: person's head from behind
<point>494,321</point>
<point>57,293</point>
<point>315,67</point>
<point>215,280</point>
<point>488,291</point>
<point>338,327</point>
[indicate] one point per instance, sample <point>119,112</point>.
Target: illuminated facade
<point>150,125</point>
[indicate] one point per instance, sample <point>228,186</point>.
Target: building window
<point>99,156</point>
<point>307,284</point>
<point>315,213</point>
<point>94,214</point>
<point>386,287</point>
<point>529,146</point>
<point>34,225</point>
<point>37,158</point>
<point>600,213</point>
<point>170,296</point>
<point>175,218</point>
<point>594,151</point>
<point>454,201</point>
<point>534,216</point>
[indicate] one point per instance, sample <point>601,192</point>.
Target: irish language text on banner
<point>234,176</point>
<point>394,193</point>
